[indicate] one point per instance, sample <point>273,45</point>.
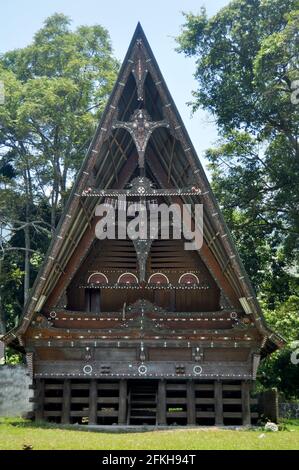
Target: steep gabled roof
<point>111,161</point>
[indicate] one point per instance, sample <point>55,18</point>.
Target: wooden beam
<point>171,159</point>
<point>85,243</point>
<point>205,252</point>
<point>93,402</point>
<point>113,162</point>
<point>88,216</point>
<point>66,404</point>
<point>40,395</point>
<point>246,403</point>
<point>218,403</point>
<point>122,407</point>
<point>191,410</point>
<point>161,403</point>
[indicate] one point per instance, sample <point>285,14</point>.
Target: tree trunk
<point>2,317</point>
<point>27,256</point>
<point>27,234</point>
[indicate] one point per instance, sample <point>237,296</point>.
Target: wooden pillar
<point>268,404</point>
<point>66,402</point>
<point>40,396</point>
<point>97,306</point>
<point>246,403</point>
<point>87,300</point>
<point>93,402</point>
<point>161,403</point>
<point>172,300</point>
<point>122,406</point>
<point>218,403</point>
<point>191,410</point>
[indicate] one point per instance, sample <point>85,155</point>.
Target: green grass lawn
<point>15,433</point>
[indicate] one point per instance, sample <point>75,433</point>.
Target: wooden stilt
<point>218,403</point>
<point>191,410</point>
<point>161,403</point>
<point>122,407</point>
<point>66,404</point>
<point>246,403</point>
<point>87,300</point>
<point>93,402</point>
<point>40,395</point>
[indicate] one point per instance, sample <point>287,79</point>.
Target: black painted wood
<point>66,404</point>
<point>123,402</point>
<point>93,402</point>
<point>218,397</point>
<point>40,395</point>
<point>161,403</point>
<point>191,411</point>
<point>246,420</point>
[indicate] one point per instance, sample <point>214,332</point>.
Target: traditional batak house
<point>122,331</point>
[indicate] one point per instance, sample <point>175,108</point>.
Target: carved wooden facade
<point>134,332</point>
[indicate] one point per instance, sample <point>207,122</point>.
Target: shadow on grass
<point>109,429</point>
<point>116,429</point>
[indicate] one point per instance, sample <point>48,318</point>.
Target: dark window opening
<point>93,300</point>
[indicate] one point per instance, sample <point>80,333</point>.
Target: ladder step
<point>143,417</point>
<point>142,404</point>
<point>135,402</point>
<point>143,409</point>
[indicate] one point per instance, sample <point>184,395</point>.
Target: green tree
<point>246,67</point>
<point>247,76</point>
<point>55,90</point>
<point>278,370</point>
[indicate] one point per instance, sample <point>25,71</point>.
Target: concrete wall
<point>1,352</point>
<point>14,391</point>
<point>289,410</point>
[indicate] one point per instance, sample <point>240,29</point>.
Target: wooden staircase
<point>142,403</point>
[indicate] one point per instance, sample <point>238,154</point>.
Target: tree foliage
<point>247,76</point>
<point>55,91</point>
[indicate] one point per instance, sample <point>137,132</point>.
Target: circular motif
<point>53,314</point>
<point>197,370</point>
<point>87,369</point>
<point>158,278</point>
<point>127,278</point>
<point>142,369</point>
<point>97,278</point>
<point>188,278</point>
<point>234,315</point>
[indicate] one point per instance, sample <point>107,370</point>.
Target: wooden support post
<point>98,302</point>
<point>191,410</point>
<point>87,300</point>
<point>122,406</point>
<point>268,405</point>
<point>93,402</point>
<point>161,403</point>
<point>246,403</point>
<point>40,396</point>
<point>218,403</point>
<point>66,403</point>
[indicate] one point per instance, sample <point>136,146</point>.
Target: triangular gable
<point>76,227</point>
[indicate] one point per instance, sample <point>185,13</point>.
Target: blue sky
<point>161,21</point>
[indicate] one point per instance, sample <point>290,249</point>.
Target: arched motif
<point>188,278</point>
<point>127,278</point>
<point>97,278</point>
<point>158,278</point>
